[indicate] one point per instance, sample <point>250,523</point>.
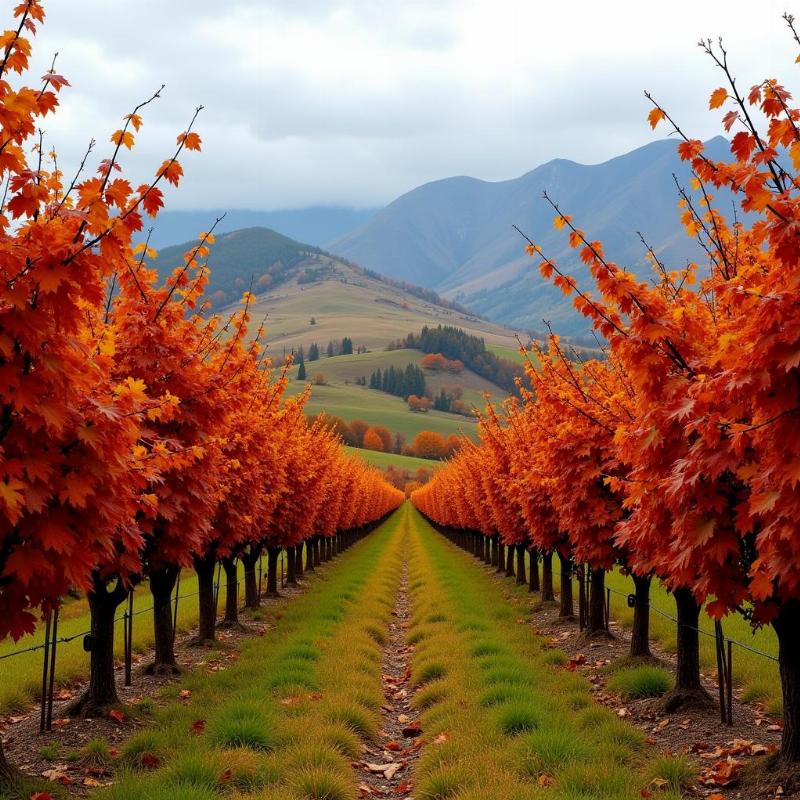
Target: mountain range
<point>316,225</point>
<point>456,237</point>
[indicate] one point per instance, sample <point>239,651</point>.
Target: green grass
<point>379,408</point>
<point>645,681</point>
<point>267,734</point>
<point>502,715</point>
<point>383,460</point>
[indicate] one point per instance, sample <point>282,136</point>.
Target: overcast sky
<point>352,103</point>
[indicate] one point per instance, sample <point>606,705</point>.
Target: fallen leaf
<point>198,726</point>
<point>390,771</point>
<point>545,780</point>
<point>116,715</point>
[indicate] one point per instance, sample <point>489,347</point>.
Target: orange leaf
<point>718,97</point>
<point>655,116</point>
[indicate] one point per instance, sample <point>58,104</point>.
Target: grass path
<point>500,722</point>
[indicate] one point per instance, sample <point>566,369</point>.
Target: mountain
<point>456,237</point>
<point>315,225</point>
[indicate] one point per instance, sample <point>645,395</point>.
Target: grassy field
<point>378,408</point>
<point>341,370</point>
<point>347,303</point>
<point>383,460</point>
<point>510,725</point>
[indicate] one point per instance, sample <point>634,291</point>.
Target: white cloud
<point>354,102</point>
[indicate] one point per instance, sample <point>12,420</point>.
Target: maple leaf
<point>191,141</point>
<point>718,97</point>
<point>122,138</point>
<point>655,116</point>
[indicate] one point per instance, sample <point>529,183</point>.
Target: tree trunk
<point>547,578</point>
<point>7,773</point>
<point>510,561</point>
<point>162,584</point>
<point>567,608</point>
<point>102,690</point>
<point>207,606</point>
<point>231,592</point>
<point>315,548</point>
<point>597,602</point>
<point>298,561</point>
<point>640,633</point>
<point>309,556</point>
<point>494,551</point>
<point>249,561</point>
<point>533,585</point>
<point>787,628</point>
<point>291,578</point>
<point>272,571</point>
<point>501,556</point>
<point>688,689</point>
<point>520,564</point>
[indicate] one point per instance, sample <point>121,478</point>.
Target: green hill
<point>257,255</point>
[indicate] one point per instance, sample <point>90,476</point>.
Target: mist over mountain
<point>315,225</point>
<point>455,235</point>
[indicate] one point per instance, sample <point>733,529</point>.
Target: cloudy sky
<point>353,102</point>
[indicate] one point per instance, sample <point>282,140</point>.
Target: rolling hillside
<point>456,236</point>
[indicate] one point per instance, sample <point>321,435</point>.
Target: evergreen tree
<point>330,349</point>
<point>301,366</point>
<point>313,352</point>
<point>347,346</point>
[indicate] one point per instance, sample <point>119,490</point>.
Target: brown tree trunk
<point>298,561</point>
<point>494,551</point>
<point>162,584</point>
<point>309,556</point>
<point>315,547</point>
<point>688,689</point>
<point>272,571</point>
<point>597,602</point>
<point>102,690</point>
<point>231,592</point>
<point>249,561</point>
<point>206,601</point>
<point>7,773</point>
<point>547,578</point>
<point>501,556</point>
<point>567,607</point>
<point>291,578</point>
<point>533,585</point>
<point>520,564</point>
<point>640,633</point>
<point>787,628</point>
<point>510,561</point>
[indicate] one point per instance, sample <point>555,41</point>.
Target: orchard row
<point>676,453</point>
<point>138,435</point>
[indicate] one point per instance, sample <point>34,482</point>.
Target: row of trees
<point>398,381</point>
<point>138,437</point>
<point>675,457</point>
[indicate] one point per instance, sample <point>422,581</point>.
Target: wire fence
<point>724,645</point>
<point>52,640</point>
